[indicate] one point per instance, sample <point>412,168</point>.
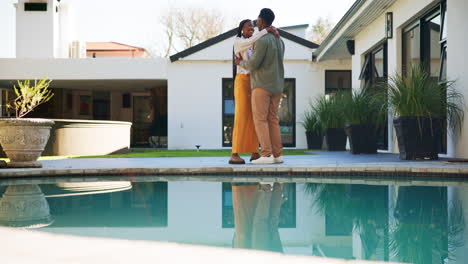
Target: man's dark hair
<point>267,15</point>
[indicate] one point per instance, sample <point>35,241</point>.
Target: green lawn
<point>158,153</point>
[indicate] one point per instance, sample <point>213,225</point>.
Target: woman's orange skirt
<point>244,138</point>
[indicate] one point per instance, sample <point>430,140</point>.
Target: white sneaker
<point>264,160</point>
<point>278,159</point>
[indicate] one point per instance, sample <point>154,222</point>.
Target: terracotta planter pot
<point>24,139</point>
<point>418,138</point>
<point>362,139</point>
<point>24,206</point>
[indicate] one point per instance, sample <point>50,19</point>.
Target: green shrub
<point>420,95</point>
<point>329,111</point>
<point>363,107</point>
<point>28,96</point>
<point>310,121</point>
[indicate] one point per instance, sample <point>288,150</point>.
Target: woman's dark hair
<point>241,25</point>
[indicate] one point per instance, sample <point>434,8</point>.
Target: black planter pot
<point>335,138</point>
<point>314,140</point>
<point>418,138</point>
<point>362,138</point>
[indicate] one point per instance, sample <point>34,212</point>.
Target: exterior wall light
<point>389,25</point>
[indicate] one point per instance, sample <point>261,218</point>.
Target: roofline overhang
<point>232,33</point>
<point>331,38</point>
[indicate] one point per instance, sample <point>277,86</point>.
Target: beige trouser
<point>265,107</point>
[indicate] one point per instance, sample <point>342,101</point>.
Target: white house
<point>192,94</point>
<point>121,89</point>
<point>387,35</point>
<point>200,94</point>
<point>194,89</point>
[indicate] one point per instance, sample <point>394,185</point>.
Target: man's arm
<point>242,44</point>
<point>257,56</point>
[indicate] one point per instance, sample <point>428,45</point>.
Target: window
<point>287,212</point>
<point>431,44</point>
<point>228,111</point>
<point>443,43</point>
<point>287,112</point>
<point>365,71</point>
<point>6,97</point>
<point>336,81</point>
<point>425,42</point>
<point>411,48</point>
<point>443,63</point>
<point>3,102</point>
<point>374,71</point>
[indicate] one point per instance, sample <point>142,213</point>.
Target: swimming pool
<point>394,220</point>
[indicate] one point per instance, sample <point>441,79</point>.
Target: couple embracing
<point>258,88</point>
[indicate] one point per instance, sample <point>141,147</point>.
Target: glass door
<point>141,120</point>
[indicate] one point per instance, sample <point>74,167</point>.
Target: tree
<point>320,30</point>
<point>187,27</point>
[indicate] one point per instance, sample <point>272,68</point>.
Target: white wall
<point>195,92</point>
<point>83,69</point>
<point>67,28</point>
<point>457,40</point>
<point>403,13</point>
<point>37,31</point>
<point>195,99</point>
<point>7,29</point>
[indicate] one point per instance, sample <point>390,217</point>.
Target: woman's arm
<point>242,44</point>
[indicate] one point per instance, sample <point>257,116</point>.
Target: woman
<point>244,138</point>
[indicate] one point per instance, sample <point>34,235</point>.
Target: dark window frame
<point>373,78</point>
<point>421,22</point>
<point>35,7</point>
<point>293,145</point>
<point>364,69</point>
<point>443,41</point>
<point>224,81</point>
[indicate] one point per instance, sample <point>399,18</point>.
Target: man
<point>267,80</point>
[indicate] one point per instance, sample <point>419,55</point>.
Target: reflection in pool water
<point>24,206</point>
<point>417,224</point>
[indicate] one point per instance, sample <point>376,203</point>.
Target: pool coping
<point>338,171</point>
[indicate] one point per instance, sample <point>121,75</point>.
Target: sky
<point>136,22</point>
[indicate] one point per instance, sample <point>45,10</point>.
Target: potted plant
<point>24,139</point>
<point>313,130</point>
<point>422,105</point>
<point>362,113</point>
<point>331,119</point>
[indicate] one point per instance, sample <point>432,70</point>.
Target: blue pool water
<point>404,223</point>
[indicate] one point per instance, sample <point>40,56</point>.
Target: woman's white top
<point>243,46</point>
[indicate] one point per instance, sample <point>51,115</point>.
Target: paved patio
<point>336,163</point>
<point>20,246</point>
